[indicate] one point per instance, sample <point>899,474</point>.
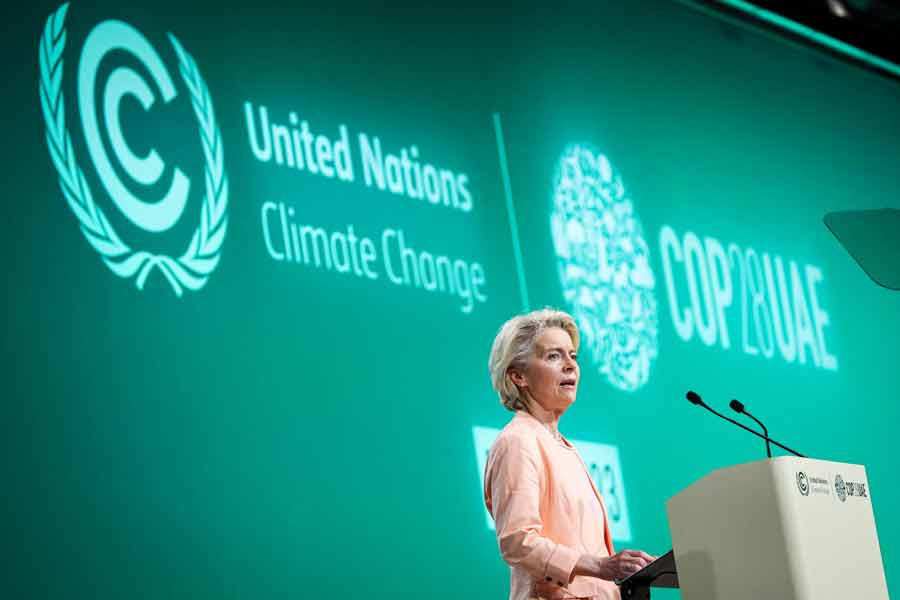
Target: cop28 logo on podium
<point>191,269</point>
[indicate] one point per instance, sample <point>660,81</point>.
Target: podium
<point>785,528</point>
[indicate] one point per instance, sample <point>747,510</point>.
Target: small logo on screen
<point>604,266</point>
<point>150,194</point>
<point>803,483</point>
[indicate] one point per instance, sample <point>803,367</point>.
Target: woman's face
<point>551,375</point>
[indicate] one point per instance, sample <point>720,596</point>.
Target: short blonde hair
<point>513,345</point>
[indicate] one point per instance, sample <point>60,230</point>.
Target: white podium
<point>784,528</point>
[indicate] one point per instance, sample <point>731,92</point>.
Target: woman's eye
<point>553,355</point>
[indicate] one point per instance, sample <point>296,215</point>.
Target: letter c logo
<point>104,38</point>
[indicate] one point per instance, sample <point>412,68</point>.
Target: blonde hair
<point>513,345</point>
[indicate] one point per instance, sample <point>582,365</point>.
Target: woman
<point>551,521</point>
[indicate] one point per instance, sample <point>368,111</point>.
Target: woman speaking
<point>550,519</point>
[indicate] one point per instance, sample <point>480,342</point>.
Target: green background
<point>291,432</point>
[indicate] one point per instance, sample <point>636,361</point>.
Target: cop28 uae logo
<point>604,266</point>
<point>191,269</point>
<point>840,488</point>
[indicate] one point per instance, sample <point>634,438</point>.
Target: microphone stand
<point>739,408</point>
<point>695,399</point>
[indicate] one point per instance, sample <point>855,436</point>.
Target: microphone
<point>738,407</point>
<point>694,398</point>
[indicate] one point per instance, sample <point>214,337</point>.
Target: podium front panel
<point>786,528</point>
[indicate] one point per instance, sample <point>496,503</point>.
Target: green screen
<point>256,256</point>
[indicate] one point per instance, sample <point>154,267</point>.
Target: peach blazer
<point>546,509</point>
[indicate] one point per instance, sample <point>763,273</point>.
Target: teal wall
<point>288,430</point>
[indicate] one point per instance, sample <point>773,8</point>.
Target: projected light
<point>604,266</point>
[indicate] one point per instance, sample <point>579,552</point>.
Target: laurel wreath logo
<point>192,269</point>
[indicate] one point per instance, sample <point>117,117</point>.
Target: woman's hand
<point>618,566</point>
<point>623,564</point>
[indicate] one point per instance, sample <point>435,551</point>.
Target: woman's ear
<point>517,377</point>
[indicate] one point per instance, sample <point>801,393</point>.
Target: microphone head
<point>693,397</point>
<point>736,406</point>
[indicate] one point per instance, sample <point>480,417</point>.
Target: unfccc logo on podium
<point>102,126</point>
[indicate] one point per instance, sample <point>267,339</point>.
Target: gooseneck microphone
<point>694,398</point>
<point>738,407</point>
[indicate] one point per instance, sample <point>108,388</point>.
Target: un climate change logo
<point>604,266</point>
<point>190,270</point>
